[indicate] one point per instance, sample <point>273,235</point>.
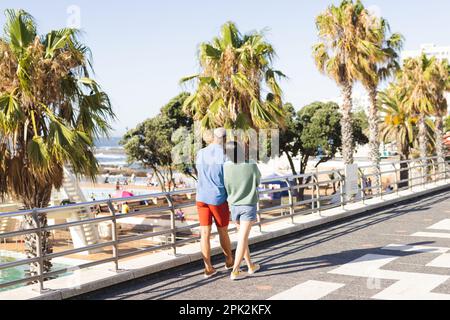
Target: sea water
<point>17,273</point>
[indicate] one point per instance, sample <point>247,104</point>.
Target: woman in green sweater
<point>242,178</point>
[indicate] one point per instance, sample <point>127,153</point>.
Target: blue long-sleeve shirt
<point>211,187</point>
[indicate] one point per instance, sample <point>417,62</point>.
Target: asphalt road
<point>320,264</point>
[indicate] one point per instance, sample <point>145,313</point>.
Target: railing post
<point>363,187</point>
<point>422,168</point>
<point>341,189</point>
<point>291,201</point>
<point>410,176</point>
<point>317,187</point>
<point>39,250</point>
<point>380,181</point>
<point>435,172</point>
<point>173,224</point>
<point>445,170</point>
<point>258,207</point>
<point>115,236</point>
<point>396,178</point>
<point>442,169</point>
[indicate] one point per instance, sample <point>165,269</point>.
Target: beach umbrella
<point>123,194</point>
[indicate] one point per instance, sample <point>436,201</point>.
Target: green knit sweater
<point>241,182</point>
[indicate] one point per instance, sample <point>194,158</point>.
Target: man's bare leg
<point>205,243</point>
<point>225,243</point>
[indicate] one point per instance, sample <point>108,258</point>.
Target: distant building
<point>360,101</point>
<point>431,50</point>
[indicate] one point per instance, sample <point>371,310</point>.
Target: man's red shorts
<point>220,213</point>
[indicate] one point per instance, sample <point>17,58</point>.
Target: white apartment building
<point>431,50</point>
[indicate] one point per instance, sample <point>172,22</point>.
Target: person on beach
<point>125,208</point>
<point>212,199</point>
<point>242,178</point>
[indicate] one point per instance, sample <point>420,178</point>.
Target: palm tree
<point>442,85</point>
<point>399,125</point>
<point>418,77</point>
<point>380,56</point>
<point>235,71</point>
<point>341,30</point>
<point>50,113</point>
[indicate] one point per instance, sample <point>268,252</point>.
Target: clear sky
<point>142,48</point>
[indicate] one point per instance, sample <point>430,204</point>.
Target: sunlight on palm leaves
<point>425,81</point>
<point>50,113</point>
<point>235,74</point>
<point>342,36</point>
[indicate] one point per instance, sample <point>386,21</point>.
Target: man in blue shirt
<point>212,200</point>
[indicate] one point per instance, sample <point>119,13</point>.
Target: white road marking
<point>443,261</point>
<point>443,225</point>
<point>310,290</point>
<point>414,289</point>
<point>410,285</point>
<point>431,235</point>
<point>413,248</point>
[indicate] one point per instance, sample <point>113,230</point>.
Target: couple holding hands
<point>227,185</point>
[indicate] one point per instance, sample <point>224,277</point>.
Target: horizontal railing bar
<point>19,233</point>
<point>330,206</point>
<point>19,281</point>
<point>299,203</point>
<point>193,226</point>
<point>19,263</point>
<point>142,251</point>
<point>270,191</point>
<point>144,236</point>
<point>284,206</point>
<point>79,267</point>
<point>78,250</point>
<point>77,223</point>
<point>327,197</point>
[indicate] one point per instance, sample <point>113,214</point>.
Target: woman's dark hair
<point>235,152</point>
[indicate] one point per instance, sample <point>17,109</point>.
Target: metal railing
<point>297,195</point>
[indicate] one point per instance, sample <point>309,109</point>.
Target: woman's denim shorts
<point>244,213</point>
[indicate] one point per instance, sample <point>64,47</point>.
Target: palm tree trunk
<point>440,142</point>
<point>347,124</point>
<point>404,173</point>
<point>422,137</point>
<point>39,197</point>
<point>439,138</point>
<point>404,149</point>
<point>374,133</point>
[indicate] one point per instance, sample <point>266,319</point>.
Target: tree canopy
<point>315,131</point>
<point>237,87</point>
<point>152,142</point>
<point>51,110</point>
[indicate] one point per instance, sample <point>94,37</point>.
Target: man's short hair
<point>220,133</point>
<point>208,136</point>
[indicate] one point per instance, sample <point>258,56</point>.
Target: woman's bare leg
<point>242,247</point>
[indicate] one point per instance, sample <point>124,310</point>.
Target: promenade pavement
<point>399,253</point>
